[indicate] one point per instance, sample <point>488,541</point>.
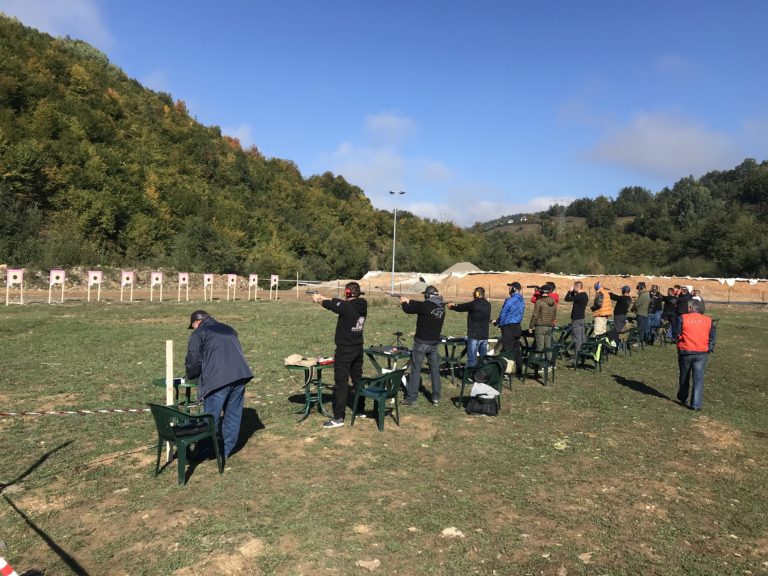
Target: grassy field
<point>601,473</point>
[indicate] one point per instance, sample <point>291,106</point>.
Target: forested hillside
<point>713,226</point>
<point>95,169</point>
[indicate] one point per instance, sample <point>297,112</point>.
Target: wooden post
<point>169,396</point>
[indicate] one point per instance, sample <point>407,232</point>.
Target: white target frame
<point>273,283</point>
<point>127,278</point>
<point>253,282</point>
<point>14,276</point>
<point>183,281</point>
<point>207,283</point>
<point>155,279</point>
<point>56,276</point>
<point>95,277</point>
<point>232,283</point>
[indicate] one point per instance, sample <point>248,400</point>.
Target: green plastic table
<point>313,388</point>
<point>186,404</point>
<point>392,354</point>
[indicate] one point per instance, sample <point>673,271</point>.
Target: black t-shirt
<point>580,302</point>
<point>622,304</point>
<point>478,319</point>
<point>352,314</point>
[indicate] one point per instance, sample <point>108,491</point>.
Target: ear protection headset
<point>479,292</point>
<point>352,290</point>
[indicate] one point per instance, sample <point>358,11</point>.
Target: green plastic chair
<point>544,360</point>
<point>182,430</point>
<point>380,389</point>
<point>633,339</point>
<point>495,367</point>
<point>591,350</point>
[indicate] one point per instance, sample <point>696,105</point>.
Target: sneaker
<point>435,401</point>
<point>406,402</point>
<point>334,423</point>
<point>361,415</point>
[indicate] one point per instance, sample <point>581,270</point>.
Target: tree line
<point>95,170</point>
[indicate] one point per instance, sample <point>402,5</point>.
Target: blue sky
<point>474,109</point>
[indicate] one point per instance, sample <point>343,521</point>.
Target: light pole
<point>394,237</point>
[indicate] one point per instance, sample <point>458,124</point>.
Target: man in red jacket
<point>694,343</point>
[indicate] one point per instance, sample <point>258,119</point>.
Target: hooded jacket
<point>544,312</point>
<point>431,313</point>
<point>352,314</point>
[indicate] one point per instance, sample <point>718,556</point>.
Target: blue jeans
<point>228,399</point>
<point>419,351</point>
<point>473,348</point>
<point>643,328</point>
<point>692,365</point>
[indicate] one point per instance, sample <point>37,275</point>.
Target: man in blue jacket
<point>216,359</point>
<point>510,317</point>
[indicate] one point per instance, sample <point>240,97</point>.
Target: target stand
<point>207,287</point>
<point>253,282</point>
<point>183,281</point>
<point>95,277</point>
<point>232,284</point>
<point>14,276</point>
<point>127,280</point>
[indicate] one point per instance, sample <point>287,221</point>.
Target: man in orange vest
<point>694,344</point>
<point>601,308</point>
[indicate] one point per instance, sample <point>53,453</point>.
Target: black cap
<point>197,315</point>
<point>430,291</point>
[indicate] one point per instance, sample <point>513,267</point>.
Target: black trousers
<point>510,342</point>
<point>347,369</point>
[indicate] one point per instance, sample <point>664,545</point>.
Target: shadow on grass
<point>640,387</point>
<point>73,565</point>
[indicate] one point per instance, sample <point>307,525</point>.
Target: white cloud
<point>466,207</point>
<point>156,80</point>
<point>375,170</point>
<point>388,128</point>
<point>667,145</point>
<point>80,19</point>
<point>244,133</point>
<point>434,171</point>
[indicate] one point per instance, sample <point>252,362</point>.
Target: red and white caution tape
<point>5,568</point>
<point>71,412</point>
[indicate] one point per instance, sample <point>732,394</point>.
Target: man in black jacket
<point>429,324</point>
<point>478,320</point>
<point>623,303</point>
<point>580,300</point>
<point>215,357</point>
<point>348,357</point>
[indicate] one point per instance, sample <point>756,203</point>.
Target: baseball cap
<point>197,315</point>
<point>625,289</point>
<point>430,291</point>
